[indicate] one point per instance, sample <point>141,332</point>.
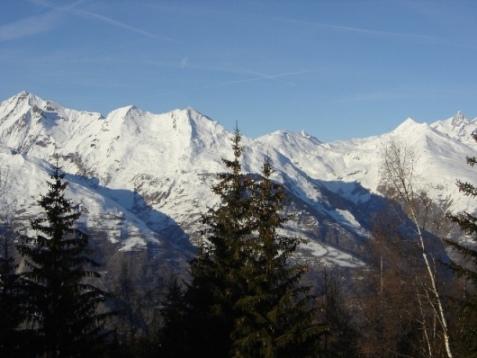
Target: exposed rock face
<point>143,180</point>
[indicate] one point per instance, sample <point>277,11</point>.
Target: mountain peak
<point>196,115</point>
<point>22,102</point>
<point>193,111</point>
<point>128,111</point>
<point>408,125</point>
<point>309,136</point>
<point>150,170</point>
<point>22,94</point>
<point>289,141</point>
<point>28,97</point>
<point>196,120</point>
<point>458,127</point>
<point>458,119</point>
<point>409,121</point>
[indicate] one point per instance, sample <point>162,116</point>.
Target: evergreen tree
<point>468,223</point>
<point>63,304</point>
<point>340,339</point>
<point>173,335</point>
<point>11,300</point>
<point>277,313</point>
<point>129,321</point>
<point>217,282</point>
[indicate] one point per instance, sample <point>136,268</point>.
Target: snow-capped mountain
<point>143,179</point>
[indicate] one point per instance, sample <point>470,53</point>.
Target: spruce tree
<point>63,303</point>
<point>217,282</point>
<point>173,335</point>
<point>468,252</point>
<point>340,339</point>
<point>11,300</point>
<point>468,223</point>
<point>277,312</point>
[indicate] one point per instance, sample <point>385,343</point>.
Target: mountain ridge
<point>150,174</point>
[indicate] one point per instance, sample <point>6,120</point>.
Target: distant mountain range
<point>143,179</point>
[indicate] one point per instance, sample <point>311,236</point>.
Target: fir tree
<point>11,300</point>
<point>468,223</point>
<point>173,334</point>
<point>63,304</point>
<point>340,339</point>
<point>277,313</point>
<point>217,282</point>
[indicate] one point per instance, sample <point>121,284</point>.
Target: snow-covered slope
<point>144,179</point>
<point>457,127</point>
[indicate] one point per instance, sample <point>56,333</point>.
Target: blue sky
<point>335,68</point>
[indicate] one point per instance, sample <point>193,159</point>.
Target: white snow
<point>170,160</point>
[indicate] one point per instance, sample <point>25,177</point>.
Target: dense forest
<point>246,293</point>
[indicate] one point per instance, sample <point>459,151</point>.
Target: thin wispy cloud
<point>104,19</point>
<point>260,77</point>
<point>33,25</point>
<point>376,96</point>
<point>256,78</point>
<point>422,38</point>
<point>395,94</point>
<point>119,24</point>
<point>253,76</point>
<point>275,76</point>
<point>184,62</point>
<point>27,26</point>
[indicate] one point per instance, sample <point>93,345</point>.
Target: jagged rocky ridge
<point>143,179</point>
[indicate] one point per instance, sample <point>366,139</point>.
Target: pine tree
<point>63,304</point>
<point>277,313</point>
<point>468,223</point>
<point>11,300</point>
<point>217,283</point>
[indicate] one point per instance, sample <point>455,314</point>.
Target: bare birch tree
<point>398,177</point>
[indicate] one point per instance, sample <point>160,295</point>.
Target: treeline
<point>247,294</point>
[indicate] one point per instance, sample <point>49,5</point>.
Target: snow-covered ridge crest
<point>150,174</point>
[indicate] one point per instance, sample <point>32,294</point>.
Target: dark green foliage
<point>245,298</point>
<point>467,268</point>
<point>130,303</point>
<point>173,335</point>
<point>11,300</point>
<point>340,338</point>
<point>62,304</point>
<point>277,315</point>
<point>217,282</point>
<point>468,223</point>
<point>465,330</point>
